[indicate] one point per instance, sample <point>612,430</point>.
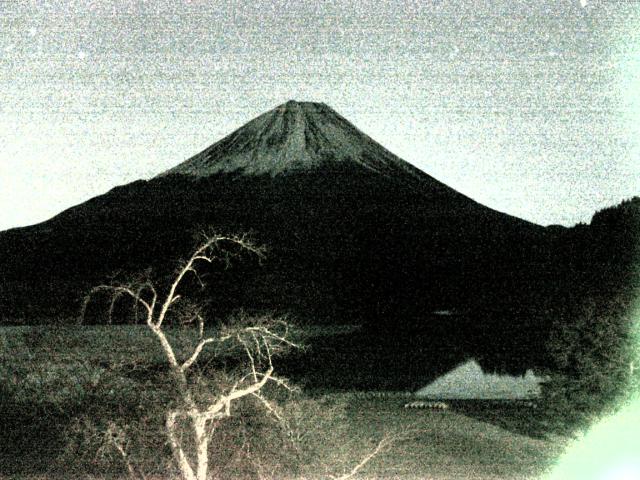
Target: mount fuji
<point>355,235</point>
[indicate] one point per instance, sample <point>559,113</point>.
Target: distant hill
<point>355,235</point>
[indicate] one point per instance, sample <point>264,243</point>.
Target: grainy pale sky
<point>530,107</point>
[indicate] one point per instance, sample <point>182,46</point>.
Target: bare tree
<point>259,341</point>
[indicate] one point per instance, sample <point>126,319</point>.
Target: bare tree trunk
<point>176,447</point>
<point>202,446</point>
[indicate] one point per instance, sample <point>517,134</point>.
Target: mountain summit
<point>294,137</point>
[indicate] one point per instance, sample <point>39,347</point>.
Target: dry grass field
<point>59,388</point>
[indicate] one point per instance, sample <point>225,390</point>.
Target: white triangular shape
<point>468,381</point>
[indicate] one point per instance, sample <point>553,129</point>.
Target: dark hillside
<point>359,242</point>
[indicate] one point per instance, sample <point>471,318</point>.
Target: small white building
<point>469,382</point>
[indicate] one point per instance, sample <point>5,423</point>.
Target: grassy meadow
<point>69,395</point>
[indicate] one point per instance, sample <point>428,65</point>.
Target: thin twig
<point>383,443</point>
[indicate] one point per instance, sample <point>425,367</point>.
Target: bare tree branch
<point>268,406</point>
<point>270,334</point>
<point>196,353</point>
<point>382,444</point>
<point>251,360</point>
<point>176,446</point>
<point>224,401</point>
<point>115,438</point>
<point>117,292</point>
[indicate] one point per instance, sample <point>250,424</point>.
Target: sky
<point>529,107</point>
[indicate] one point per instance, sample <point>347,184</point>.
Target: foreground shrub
<point>595,362</point>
